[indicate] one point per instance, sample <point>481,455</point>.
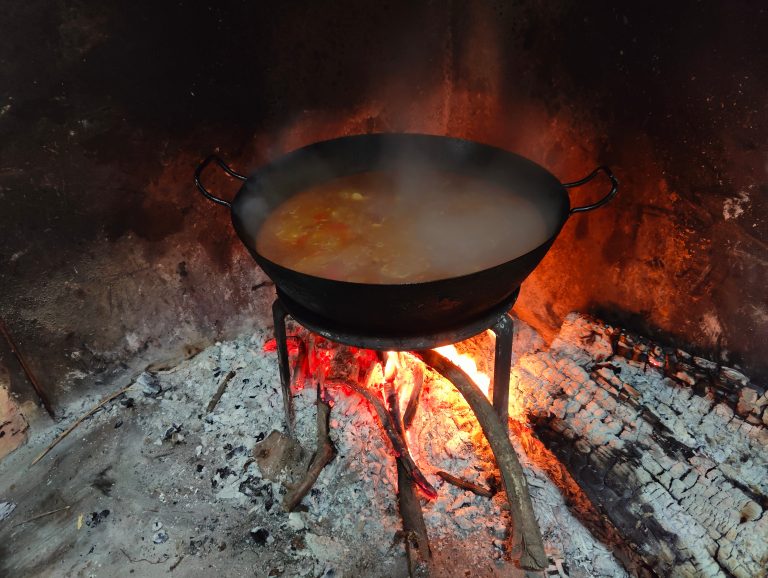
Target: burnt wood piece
<point>220,391</point>
<point>323,455</point>
<point>392,401</point>
<point>415,530</point>
<point>81,419</point>
<point>413,400</point>
<point>465,485</point>
<point>705,377</point>
<point>681,477</point>
<point>528,544</point>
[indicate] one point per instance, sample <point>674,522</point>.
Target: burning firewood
<point>415,530</point>
<point>413,400</point>
<point>408,474</point>
<point>528,544</point>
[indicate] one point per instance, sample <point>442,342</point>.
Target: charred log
<point>679,474</point>
<point>707,378</point>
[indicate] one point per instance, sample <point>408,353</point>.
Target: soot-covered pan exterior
<point>402,309</point>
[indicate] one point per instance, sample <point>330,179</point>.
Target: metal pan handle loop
<point>589,177</point>
<point>214,159</point>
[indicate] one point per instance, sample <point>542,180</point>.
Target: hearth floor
<point>153,485</point>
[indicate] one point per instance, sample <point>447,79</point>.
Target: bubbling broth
<point>383,228</point>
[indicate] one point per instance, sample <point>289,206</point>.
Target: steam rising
<point>404,223</point>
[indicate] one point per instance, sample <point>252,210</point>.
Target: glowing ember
<point>317,361</point>
<point>270,345</point>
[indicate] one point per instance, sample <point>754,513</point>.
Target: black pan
<point>404,309</point>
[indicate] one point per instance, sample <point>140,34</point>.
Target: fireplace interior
<point>166,408</point>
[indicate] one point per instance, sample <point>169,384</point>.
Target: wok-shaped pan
<point>409,308</point>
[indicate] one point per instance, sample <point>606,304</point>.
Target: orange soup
<point>383,228</point>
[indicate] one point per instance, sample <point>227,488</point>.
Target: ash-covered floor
<point>154,485</point>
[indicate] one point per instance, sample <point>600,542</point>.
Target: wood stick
<point>393,405</point>
<point>413,400</point>
<point>466,485</point>
<point>528,543</point>
<point>81,419</point>
<point>43,515</point>
<point>162,560</point>
<point>220,391</point>
<point>416,539</point>
<point>176,563</point>
<point>27,370</point>
<point>323,455</point>
<point>397,441</point>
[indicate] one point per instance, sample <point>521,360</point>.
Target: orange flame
<point>391,366</point>
<point>467,364</point>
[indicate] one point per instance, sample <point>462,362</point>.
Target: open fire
<point>391,382</point>
<point>597,395</point>
<point>639,458</point>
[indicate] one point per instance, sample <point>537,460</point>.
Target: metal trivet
<point>497,320</point>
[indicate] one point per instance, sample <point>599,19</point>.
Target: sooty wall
<point>108,254</point>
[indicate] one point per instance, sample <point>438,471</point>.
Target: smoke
<point>461,220</point>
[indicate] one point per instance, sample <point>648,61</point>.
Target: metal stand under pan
<point>497,320</point>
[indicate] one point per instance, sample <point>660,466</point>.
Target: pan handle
<point>214,159</point>
<point>589,177</point>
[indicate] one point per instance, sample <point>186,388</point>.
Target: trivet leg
<point>279,314</point>
<point>505,333</point>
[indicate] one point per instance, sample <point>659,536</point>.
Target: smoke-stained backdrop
<point>108,254</point>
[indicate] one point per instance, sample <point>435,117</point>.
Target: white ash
<point>6,509</point>
<point>353,501</point>
<point>350,525</point>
